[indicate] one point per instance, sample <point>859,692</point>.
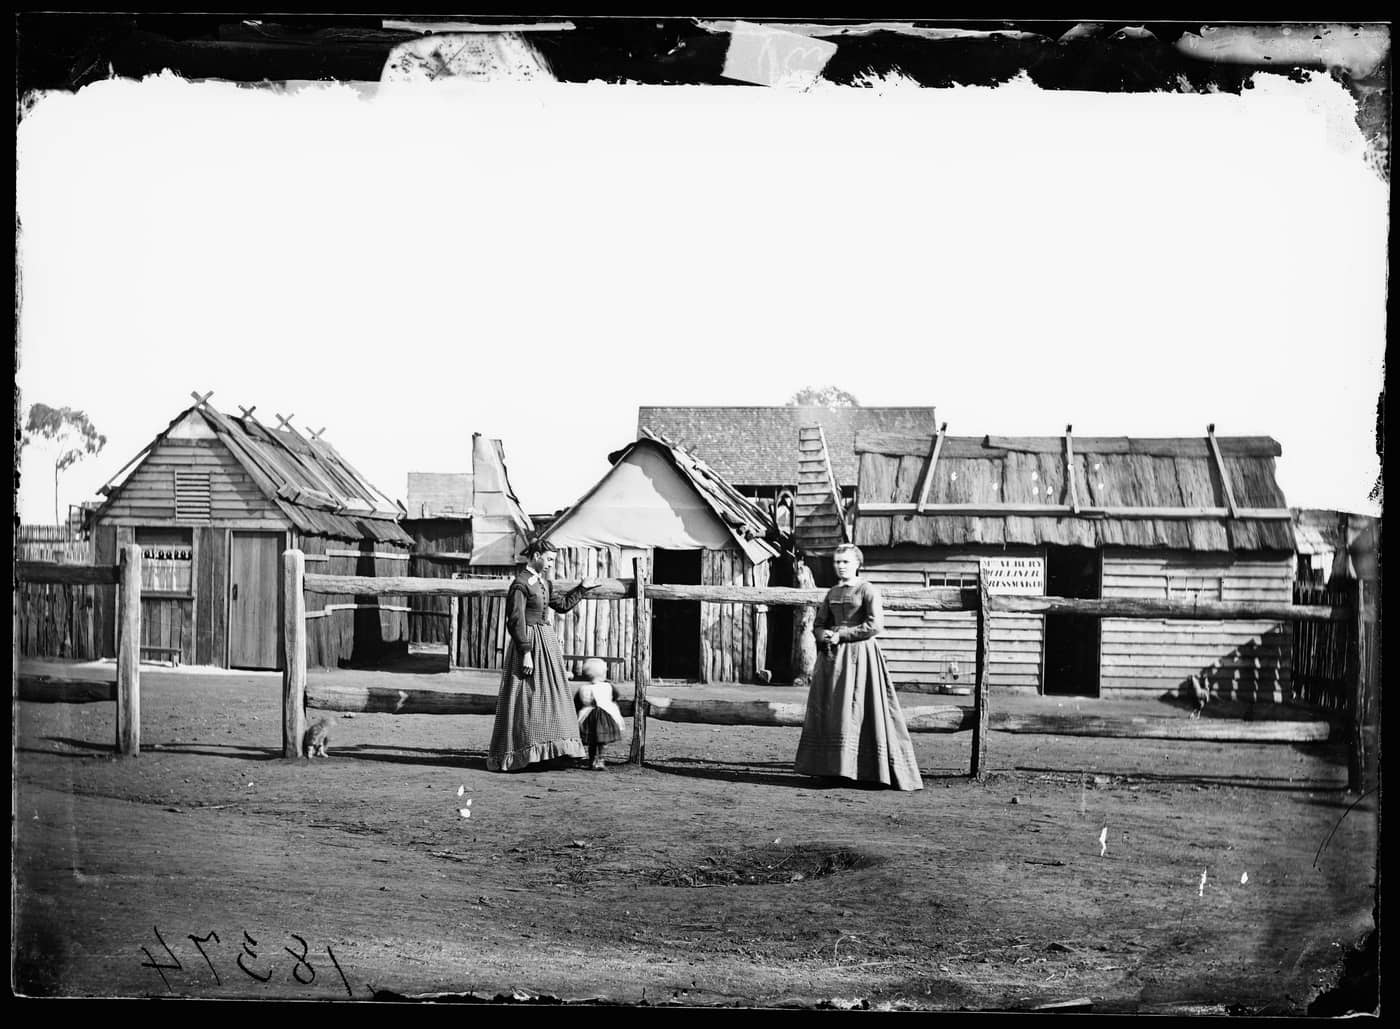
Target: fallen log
<point>1221,730</point>
<point>389,700</point>
<point>52,689</point>
<point>920,718</point>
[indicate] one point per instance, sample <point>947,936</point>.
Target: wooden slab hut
<point>213,501</point>
<point>465,525</point>
<point>1081,517</point>
<point>667,506</point>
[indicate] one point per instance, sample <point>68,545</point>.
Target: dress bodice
<point>853,610</point>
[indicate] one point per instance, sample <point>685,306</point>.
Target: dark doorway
<point>778,660</point>
<point>1072,641</point>
<point>675,624</point>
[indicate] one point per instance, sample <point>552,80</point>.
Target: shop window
<point>951,580</point>
<point>167,561</point>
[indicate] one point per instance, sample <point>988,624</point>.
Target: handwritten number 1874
<point>302,969</point>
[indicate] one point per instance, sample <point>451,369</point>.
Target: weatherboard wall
<point>928,649</point>
<point>1247,660</point>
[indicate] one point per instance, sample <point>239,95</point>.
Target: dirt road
<point>1125,875</point>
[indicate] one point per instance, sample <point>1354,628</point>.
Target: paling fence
<point>56,619</point>
<point>1321,649</point>
<point>298,697</point>
<point>473,626</point>
<point>125,690</point>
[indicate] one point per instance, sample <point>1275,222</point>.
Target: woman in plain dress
<point>535,717</point>
<point>854,728</point>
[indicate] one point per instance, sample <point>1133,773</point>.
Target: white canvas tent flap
<point>643,502</point>
<point>500,526</point>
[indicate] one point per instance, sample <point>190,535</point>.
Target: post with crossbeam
<point>979,694</point>
<point>293,611</point>
<point>129,653</point>
<point>641,658</point>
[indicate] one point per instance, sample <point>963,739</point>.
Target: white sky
<point>535,262</point>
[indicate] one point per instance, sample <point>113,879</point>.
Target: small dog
<point>318,738</point>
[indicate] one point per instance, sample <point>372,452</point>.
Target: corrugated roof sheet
<point>439,495</point>
<point>1312,541</point>
<point>757,446</point>
<point>1109,472</point>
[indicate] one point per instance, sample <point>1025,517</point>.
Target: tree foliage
<point>822,396</point>
<point>71,431</point>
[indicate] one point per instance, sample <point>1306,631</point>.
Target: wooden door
<point>252,599</point>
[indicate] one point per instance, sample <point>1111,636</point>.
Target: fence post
<point>454,607</point>
<point>979,693</point>
<point>641,659</point>
<point>129,654</point>
<point>293,652</point>
<point>804,640</point>
<point>1356,685</point>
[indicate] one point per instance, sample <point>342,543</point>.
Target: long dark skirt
<point>854,728</point>
<point>535,716</point>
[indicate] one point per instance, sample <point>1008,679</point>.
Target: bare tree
<point>70,431</point>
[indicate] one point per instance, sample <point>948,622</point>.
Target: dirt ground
<point>1092,874</point>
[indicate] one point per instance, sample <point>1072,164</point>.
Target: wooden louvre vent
<point>192,496</point>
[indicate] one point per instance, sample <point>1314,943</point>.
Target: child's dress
<point>599,717</point>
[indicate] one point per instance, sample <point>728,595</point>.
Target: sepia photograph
<point>702,513</point>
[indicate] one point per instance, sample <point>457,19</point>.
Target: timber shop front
<point>1112,517</point>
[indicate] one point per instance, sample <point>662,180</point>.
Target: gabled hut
<point>465,525</point>
<point>1081,517</point>
<point>213,500</point>
<point>666,505</point>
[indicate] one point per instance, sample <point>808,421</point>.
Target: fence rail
<point>296,697</point>
<point>126,691</point>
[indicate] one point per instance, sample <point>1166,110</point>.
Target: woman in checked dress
<point>854,728</point>
<point>535,716</point>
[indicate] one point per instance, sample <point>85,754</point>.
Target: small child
<point>599,718</point>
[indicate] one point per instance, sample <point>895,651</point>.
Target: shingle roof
<point>757,446</point>
<point>305,477</point>
<point>1109,473</point>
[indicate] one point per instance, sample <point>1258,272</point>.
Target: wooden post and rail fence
<point>980,720</point>
<point>297,696</point>
<point>126,690</point>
